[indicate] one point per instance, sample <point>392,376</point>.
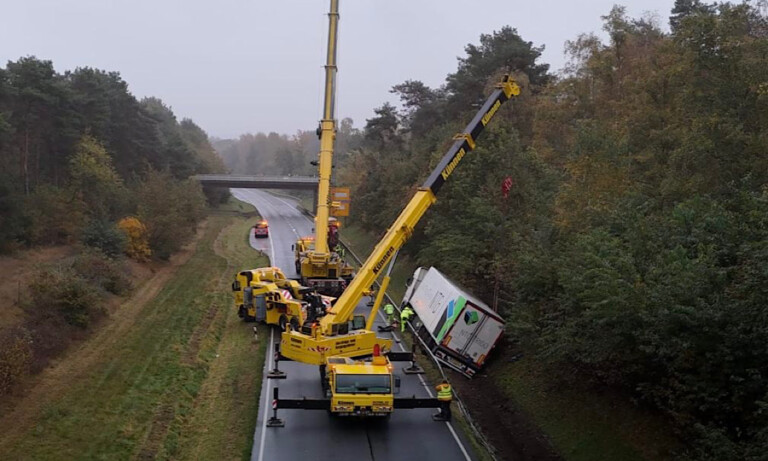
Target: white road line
<point>286,220</point>
<point>429,392</point>
<point>266,396</point>
<point>423,383</point>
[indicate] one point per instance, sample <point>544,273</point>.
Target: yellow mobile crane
<point>320,266</point>
<point>340,336</point>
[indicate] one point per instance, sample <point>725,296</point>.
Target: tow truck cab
<point>363,388</point>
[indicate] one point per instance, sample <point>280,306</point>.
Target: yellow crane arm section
<point>333,337</point>
<point>327,136</point>
<point>402,228</point>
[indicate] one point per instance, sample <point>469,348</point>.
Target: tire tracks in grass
<point>78,364</point>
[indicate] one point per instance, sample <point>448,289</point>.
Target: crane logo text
<point>383,260</point>
<point>452,166</point>
<point>489,115</point>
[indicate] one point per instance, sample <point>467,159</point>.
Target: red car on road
<point>261,229</point>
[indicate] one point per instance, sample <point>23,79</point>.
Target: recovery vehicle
<point>321,267</point>
<point>340,332</point>
<point>341,336</point>
<point>338,340</point>
<point>266,295</point>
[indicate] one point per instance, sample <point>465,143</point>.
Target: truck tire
<point>282,322</point>
<point>295,324</point>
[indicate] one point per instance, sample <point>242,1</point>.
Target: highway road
<point>312,435</point>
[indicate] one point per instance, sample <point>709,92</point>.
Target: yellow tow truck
<point>266,295</point>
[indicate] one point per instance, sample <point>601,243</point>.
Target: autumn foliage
<point>138,243</point>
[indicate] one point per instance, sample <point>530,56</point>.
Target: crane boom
<point>327,135</point>
<point>332,337</point>
<point>400,231</point>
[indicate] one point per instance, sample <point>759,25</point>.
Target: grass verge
<point>182,382</point>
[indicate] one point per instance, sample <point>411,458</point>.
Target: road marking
<point>266,396</point>
<point>431,396</point>
<point>381,315</point>
<point>293,206</point>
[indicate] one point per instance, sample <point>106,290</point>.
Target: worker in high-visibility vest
<point>444,396</point>
<point>389,309</point>
<point>405,315</point>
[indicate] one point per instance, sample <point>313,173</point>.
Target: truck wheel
<point>298,267</point>
<point>241,312</point>
<point>282,322</point>
<point>295,324</point>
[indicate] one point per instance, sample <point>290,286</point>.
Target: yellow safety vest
<point>444,392</point>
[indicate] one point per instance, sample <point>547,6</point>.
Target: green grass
<point>152,393</point>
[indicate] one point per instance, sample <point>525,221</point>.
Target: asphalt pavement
<point>311,435</point>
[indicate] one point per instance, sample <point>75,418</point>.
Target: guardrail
<point>462,407</point>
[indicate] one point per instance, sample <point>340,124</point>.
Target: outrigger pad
<point>276,374</point>
<point>275,422</point>
<point>413,370</point>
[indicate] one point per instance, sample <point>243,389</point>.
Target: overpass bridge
<point>259,182</point>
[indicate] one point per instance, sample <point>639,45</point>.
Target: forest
<point>86,166</point>
<point>630,251</point>
<point>78,152</point>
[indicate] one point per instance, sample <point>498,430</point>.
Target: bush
<point>102,272</point>
<point>60,291</point>
<point>171,210</point>
<point>105,236</point>
<point>53,217</point>
<point>15,357</point>
<point>136,233</point>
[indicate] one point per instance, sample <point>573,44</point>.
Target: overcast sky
<point>237,66</point>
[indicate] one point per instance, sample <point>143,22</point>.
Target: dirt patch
<point>193,347</point>
<point>19,412</point>
<point>160,425</point>
<point>512,433</point>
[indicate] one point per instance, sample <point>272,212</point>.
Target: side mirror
<point>397,384</point>
<point>236,285</point>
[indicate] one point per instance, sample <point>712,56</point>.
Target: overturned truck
<point>460,329</point>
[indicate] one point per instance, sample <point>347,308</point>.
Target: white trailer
<point>460,329</point>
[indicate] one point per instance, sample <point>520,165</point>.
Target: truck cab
<point>362,388</point>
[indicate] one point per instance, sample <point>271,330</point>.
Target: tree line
<point>283,155</point>
<point>84,163</point>
<point>78,152</point>
<point>630,251</point>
